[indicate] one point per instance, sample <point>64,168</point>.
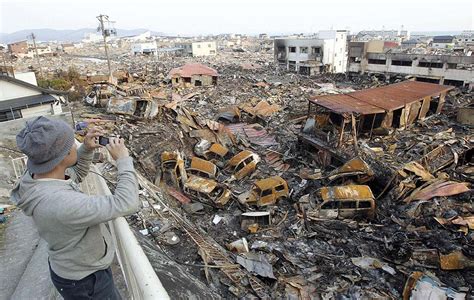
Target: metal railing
<point>142,281</point>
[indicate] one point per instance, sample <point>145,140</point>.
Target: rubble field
<point>232,195</point>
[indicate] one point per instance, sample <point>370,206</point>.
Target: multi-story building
<point>370,57</point>
<point>198,48</point>
<point>144,48</point>
<point>308,56</point>
<point>443,42</point>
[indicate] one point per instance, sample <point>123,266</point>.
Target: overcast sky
<point>240,16</point>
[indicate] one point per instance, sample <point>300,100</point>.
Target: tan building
<point>193,75</point>
<point>198,48</point>
<point>17,48</point>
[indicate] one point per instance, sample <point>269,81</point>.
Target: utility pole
<point>33,37</point>
<point>105,33</point>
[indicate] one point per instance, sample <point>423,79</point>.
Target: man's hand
<point>117,149</point>
<point>90,140</point>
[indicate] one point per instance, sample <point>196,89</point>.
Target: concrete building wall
<point>18,48</point>
<point>375,46</point>
<point>195,80</point>
<point>291,54</point>
<point>443,45</point>
<point>336,49</point>
<point>204,48</point>
<point>441,67</point>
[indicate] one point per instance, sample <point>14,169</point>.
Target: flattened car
<point>207,189</point>
<point>267,191</point>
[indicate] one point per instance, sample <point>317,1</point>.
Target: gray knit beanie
<point>46,142</point>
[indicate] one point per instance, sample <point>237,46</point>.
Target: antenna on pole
<point>106,30</point>
<point>33,37</point>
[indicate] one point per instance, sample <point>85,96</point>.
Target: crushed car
<point>208,190</point>
<point>266,192</point>
<point>242,164</point>
<point>344,202</point>
<point>173,172</point>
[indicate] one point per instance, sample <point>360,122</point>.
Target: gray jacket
<point>71,222</point>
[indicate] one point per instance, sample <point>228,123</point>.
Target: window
<point>266,192</point>
<point>452,66</point>
<point>248,160</point>
<point>239,167</point>
<point>339,62</point>
<point>427,64</point>
<point>303,49</point>
<point>280,188</point>
<point>348,204</point>
<point>406,63</point>
<point>365,204</point>
<point>292,49</point>
<point>187,79</point>
<point>209,45</point>
<point>212,51</point>
<point>330,205</point>
<point>377,61</point>
<point>315,50</point>
<point>335,54</point>
<point>198,46</point>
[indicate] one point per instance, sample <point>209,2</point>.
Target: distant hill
<point>65,35</point>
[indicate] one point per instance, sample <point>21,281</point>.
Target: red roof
<point>189,70</point>
<point>377,100</point>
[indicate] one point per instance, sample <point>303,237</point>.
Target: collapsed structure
<point>393,106</point>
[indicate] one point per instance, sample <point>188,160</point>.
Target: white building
<point>22,99</point>
<point>443,42</point>
<point>325,53</point>
<point>335,49</point>
<point>92,38</point>
<point>199,48</point>
<point>144,48</point>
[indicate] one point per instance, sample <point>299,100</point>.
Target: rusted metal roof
<point>344,103</point>
<point>189,70</point>
<point>255,133</point>
<point>380,99</point>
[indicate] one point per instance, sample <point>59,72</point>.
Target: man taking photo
<point>80,246</point>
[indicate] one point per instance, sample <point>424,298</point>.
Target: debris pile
<point>232,194</point>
